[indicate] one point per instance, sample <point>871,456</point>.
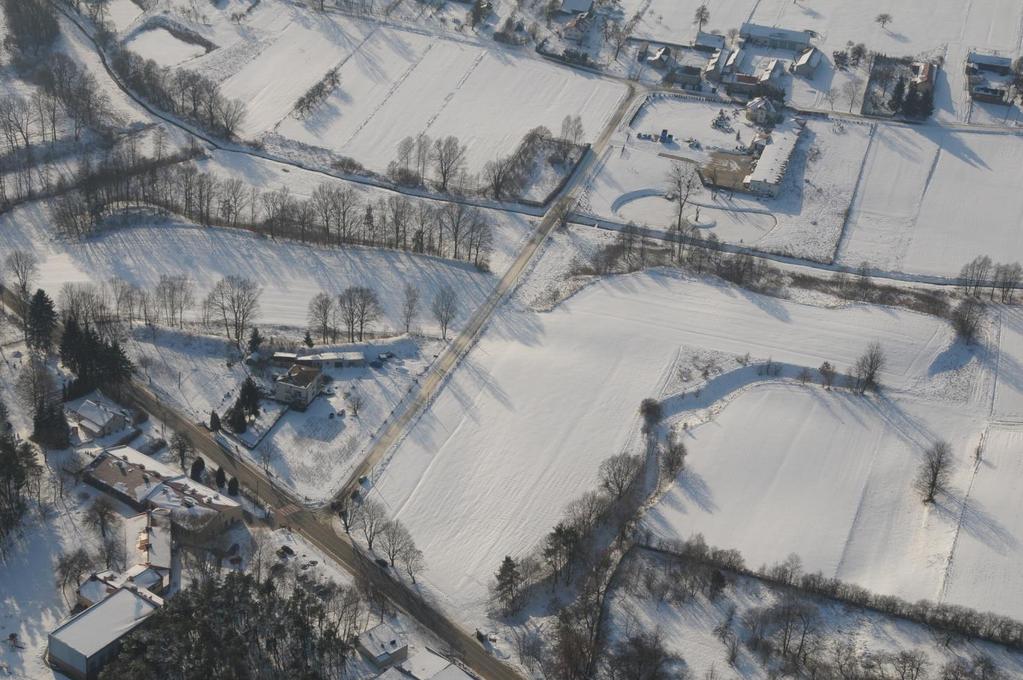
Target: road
<point>452,354</point>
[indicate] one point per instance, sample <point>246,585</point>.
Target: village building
<point>383,645</point>
<point>923,76</point>
<point>776,38</point>
<point>806,63</point>
<point>333,360</point>
<point>578,27</point>
<point>989,77</point>
<point>575,6</point>
<point>83,644</point>
<point>687,69</point>
<point>769,170</point>
<point>96,419</point>
<point>425,665</point>
<point>762,111</point>
<point>147,551</point>
<point>299,386</point>
<point>144,483</point>
<point>715,66</point>
<point>709,42</point>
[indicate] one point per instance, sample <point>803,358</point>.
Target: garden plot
<point>399,84</point>
<point>163,47</point>
<point>525,421</point>
<point>806,218</point>
<point>933,199</point>
<point>122,13</point>
<point>918,28</point>
<point>984,570</point>
<point>315,451</point>
<point>828,476</point>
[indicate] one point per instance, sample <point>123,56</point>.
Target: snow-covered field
<point>672,20</point>
<point>804,220</point>
<point>290,274</point>
<point>828,476</point>
<point>394,82</point>
<point>688,628</point>
<point>163,47</point>
<point>932,199</point>
<point>525,421</point>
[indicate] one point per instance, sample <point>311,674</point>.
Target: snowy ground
<point>162,47</point>
<point>828,476</point>
<point>543,398</point>
<point>290,273</point>
<point>806,218</point>
<point>394,82</point>
<point>687,629</point>
<point>932,199</point>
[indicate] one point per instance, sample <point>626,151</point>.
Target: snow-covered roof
<point>809,57</point>
<point>300,376</point>
<point>106,622</point>
<point>424,665</point>
<point>95,412</point>
<point>981,59</point>
<point>451,672</point>
<point>383,640</point>
<point>576,6</point>
<point>759,32</point>
<point>759,103</point>
<point>772,163</point>
<point>713,40</point>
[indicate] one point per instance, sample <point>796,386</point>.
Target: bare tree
<point>321,314</point>
<point>935,470</point>
<point>355,403</point>
<point>682,180</point>
<point>618,472</point>
<point>394,540</point>
<point>883,19</point>
<point>967,318</point>
<point>34,384</point>
<point>102,516</point>
<point>359,308</point>
<point>409,306</point>
<point>24,267</point>
<point>445,308</point>
<point>851,91</point>
<point>701,17</point>
<point>412,559</point>
<point>235,301</point>
<point>868,366</point>
<point>448,158</point>
<point>371,520</point>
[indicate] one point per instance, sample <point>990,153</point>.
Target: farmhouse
<point>96,419</point>
<point>989,77</point>
<point>762,111</point>
<point>778,38</point>
<point>807,62</point>
<point>144,483</point>
<point>923,76</point>
<point>709,42</point>
<point>383,645</point>
<point>576,28</point>
<point>769,171</point>
<point>82,645</point>
<point>299,386</point>
<point>426,665</point>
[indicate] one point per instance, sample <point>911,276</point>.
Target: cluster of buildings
<point>756,65</point>
<point>304,377</point>
<point>115,602</point>
<point>989,78</point>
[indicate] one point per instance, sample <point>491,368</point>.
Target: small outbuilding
<point>85,643</point>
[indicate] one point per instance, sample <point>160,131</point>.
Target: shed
<point>83,644</point>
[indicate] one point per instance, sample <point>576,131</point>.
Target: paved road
<point>452,354</point>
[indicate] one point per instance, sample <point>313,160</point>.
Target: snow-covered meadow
<point>544,398</point>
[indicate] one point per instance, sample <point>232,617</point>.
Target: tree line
<point>335,214</point>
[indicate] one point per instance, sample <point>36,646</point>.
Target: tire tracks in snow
<point>458,86</point>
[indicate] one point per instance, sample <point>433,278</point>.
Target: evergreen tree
<point>898,96</point>
<point>49,426</point>
<point>214,421</point>
<point>42,321</point>
<point>236,420</point>
<point>255,340</point>
<point>232,487</point>
<point>17,468</point>
<point>221,477</point>
<point>508,580</point>
<point>308,339</point>
<point>198,466</point>
<point>248,398</point>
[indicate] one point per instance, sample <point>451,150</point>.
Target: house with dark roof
<point>299,386</point>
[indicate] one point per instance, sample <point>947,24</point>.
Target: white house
<point>807,62</point>
<point>96,419</point>
<point>83,644</point>
<point>425,665</point>
<point>299,386</point>
<point>384,645</point>
<point>769,171</point>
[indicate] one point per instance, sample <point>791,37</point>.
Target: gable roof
<point>107,621</point>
